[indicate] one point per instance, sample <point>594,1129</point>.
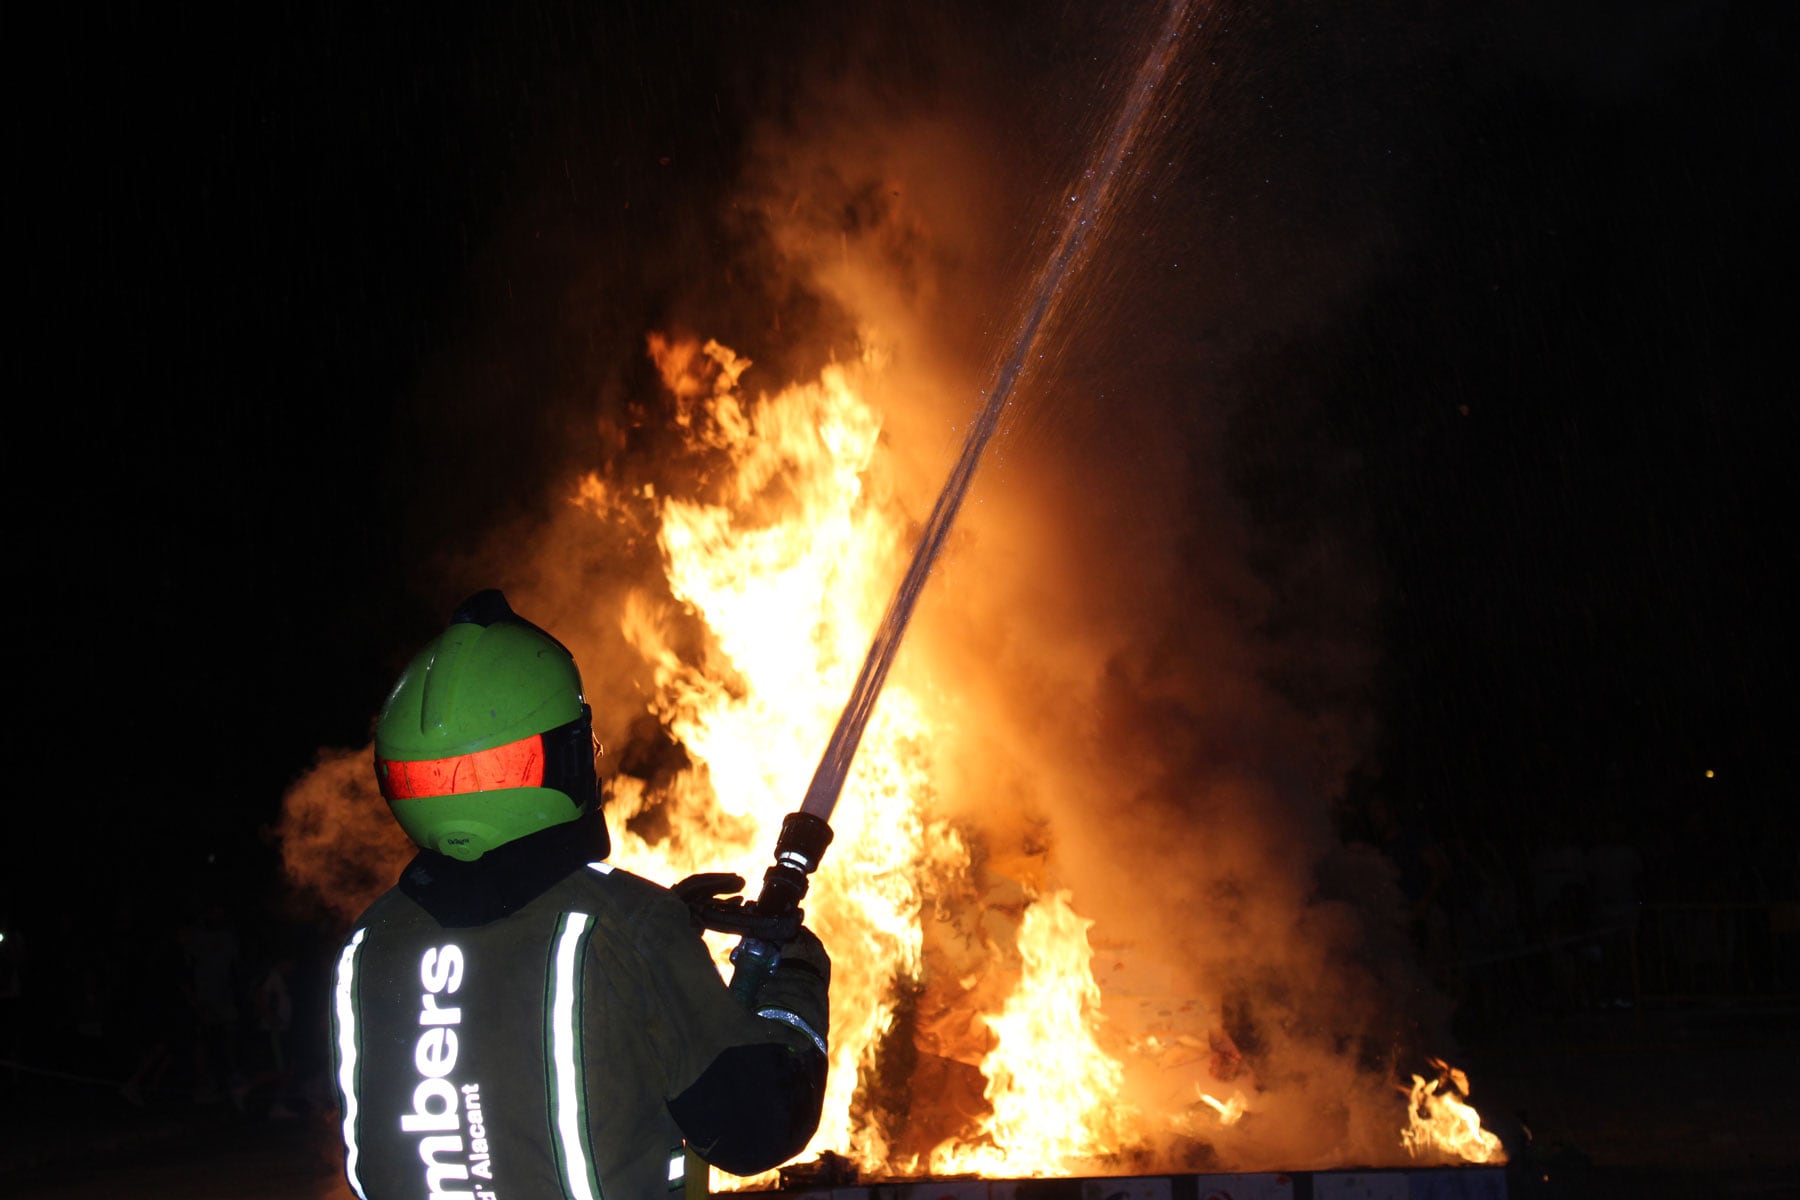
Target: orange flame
<point>777,574</point>
<point>788,568</point>
<point>1442,1123</point>
<point>1054,1091</point>
<point>971,1032</point>
<point>1230,1111</point>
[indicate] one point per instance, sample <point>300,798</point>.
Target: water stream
<point>1083,225</point>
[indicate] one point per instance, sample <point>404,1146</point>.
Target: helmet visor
<point>516,764</point>
<point>521,764</point>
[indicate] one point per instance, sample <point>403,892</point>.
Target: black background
<point>245,237</point>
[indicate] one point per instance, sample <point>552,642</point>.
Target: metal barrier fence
<point>1671,954</point>
<point>1718,951</point>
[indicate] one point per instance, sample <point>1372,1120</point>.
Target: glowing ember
<point>1443,1124</point>
<point>1230,1111</point>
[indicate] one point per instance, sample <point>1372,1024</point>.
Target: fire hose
<point>775,915</point>
<point>806,834</point>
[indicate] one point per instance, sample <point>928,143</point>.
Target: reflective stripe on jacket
<point>548,1052</point>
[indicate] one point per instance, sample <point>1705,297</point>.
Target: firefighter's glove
<point>713,904</point>
<point>800,983</point>
<point>705,891</point>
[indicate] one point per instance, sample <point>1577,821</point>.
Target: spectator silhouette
<point>269,1052</point>
<point>1422,866</point>
<point>1614,870</point>
<point>211,946</point>
<point>1559,901</point>
<point>147,1005</point>
<point>12,1003</point>
<point>1490,930</point>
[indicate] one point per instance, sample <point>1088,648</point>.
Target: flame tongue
<point>785,565</point>
<point>1052,1087</point>
<point>1442,1123</point>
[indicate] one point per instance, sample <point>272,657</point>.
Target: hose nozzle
<point>804,838</point>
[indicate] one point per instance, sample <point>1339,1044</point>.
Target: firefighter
<point>517,1019</point>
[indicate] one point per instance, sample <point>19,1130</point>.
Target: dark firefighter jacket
<point>531,1026</point>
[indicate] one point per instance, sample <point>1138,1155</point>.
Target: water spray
<point>806,834</point>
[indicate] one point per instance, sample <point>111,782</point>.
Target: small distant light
<point>2,937</point>
<point>1709,773</point>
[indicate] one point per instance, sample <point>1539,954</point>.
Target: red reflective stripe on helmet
<point>516,764</point>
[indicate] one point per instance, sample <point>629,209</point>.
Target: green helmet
<point>486,737</point>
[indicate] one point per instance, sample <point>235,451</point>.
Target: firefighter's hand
<point>710,907</point>
<point>801,983</point>
<point>704,896</point>
<point>701,889</point>
<point>805,952</point>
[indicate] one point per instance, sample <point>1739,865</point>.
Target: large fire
<point>787,561</point>
<point>984,1021</point>
<point>787,567</point>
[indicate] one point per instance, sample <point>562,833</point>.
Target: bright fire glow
<point>1230,1111</point>
<point>787,565</point>
<point>1054,1091</point>
<point>779,564</point>
<point>1443,1124</point>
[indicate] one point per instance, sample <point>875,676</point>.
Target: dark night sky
<point>245,239</point>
